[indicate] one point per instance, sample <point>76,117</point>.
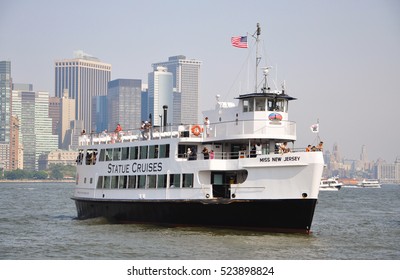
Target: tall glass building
<point>32,110</point>
<point>186,77</point>
<point>160,95</point>
<point>5,114</point>
<point>124,103</point>
<point>85,77</point>
<point>5,100</point>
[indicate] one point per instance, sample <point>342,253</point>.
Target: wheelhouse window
<point>278,105</point>
<point>260,104</point>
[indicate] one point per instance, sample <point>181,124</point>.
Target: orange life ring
<point>196,130</point>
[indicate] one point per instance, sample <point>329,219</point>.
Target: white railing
<point>232,129</point>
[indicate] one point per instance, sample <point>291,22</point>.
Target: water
<point>37,221</point>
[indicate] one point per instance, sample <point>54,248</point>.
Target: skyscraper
<point>124,103</point>
<point>32,109</point>
<point>160,95</point>
<point>5,113</point>
<point>84,76</point>
<point>186,77</point>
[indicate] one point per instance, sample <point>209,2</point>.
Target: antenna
<point>258,59</point>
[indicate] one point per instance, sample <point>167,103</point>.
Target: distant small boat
<point>369,183</point>
<point>330,184</point>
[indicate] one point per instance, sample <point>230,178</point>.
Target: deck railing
<point>221,130</point>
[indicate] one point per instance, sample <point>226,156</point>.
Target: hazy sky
<point>340,58</point>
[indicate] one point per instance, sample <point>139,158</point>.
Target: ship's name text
<point>279,159</point>
<point>134,167</point>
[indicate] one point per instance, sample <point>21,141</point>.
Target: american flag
<point>239,42</point>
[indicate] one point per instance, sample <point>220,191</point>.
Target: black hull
<point>285,215</point>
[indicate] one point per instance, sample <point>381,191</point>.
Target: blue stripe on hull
<point>286,215</point>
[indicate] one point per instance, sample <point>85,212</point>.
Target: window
<point>187,181</point>
<point>109,153</point>
<point>107,182</point>
<point>125,153</point>
<point>143,152</point>
<point>134,153</point>
<point>142,181</point>
<point>152,181</point>
<point>132,182</point>
<point>123,180</point>
<point>153,151</point>
<point>117,154</point>
<point>174,180</point>
<point>162,181</point>
<point>102,155</point>
<point>100,182</point>
<point>245,105</point>
<point>114,182</point>
<point>260,104</point>
<point>251,105</point>
<point>164,151</point>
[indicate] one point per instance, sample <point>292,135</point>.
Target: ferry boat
<point>165,176</point>
<point>369,183</point>
<point>330,184</point>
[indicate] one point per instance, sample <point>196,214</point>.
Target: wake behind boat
<point>226,173</point>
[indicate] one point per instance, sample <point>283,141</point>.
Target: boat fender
<point>196,130</point>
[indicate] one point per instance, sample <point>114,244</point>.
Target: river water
<point>37,222</point>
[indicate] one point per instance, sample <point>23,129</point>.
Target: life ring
<point>196,130</point>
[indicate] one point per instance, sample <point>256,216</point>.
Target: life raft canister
<point>196,130</point>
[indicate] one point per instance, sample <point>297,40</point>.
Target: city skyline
<point>340,59</point>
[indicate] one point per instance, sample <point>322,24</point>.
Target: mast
<point>258,58</point>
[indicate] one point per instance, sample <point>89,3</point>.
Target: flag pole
<point>258,59</point>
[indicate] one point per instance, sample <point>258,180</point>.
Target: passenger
<point>142,129</point>
<point>320,146</point>
<point>118,131</point>
<point>212,154</point>
<point>283,148</point>
<point>205,153</point>
<point>207,126</point>
<point>258,149</point>
<point>253,152</point>
<point>308,149</point>
<point>313,149</point>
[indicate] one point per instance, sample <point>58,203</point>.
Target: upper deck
<point>229,130</point>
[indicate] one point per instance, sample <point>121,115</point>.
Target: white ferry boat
<point>243,182</point>
<point>330,184</point>
<point>370,183</point>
